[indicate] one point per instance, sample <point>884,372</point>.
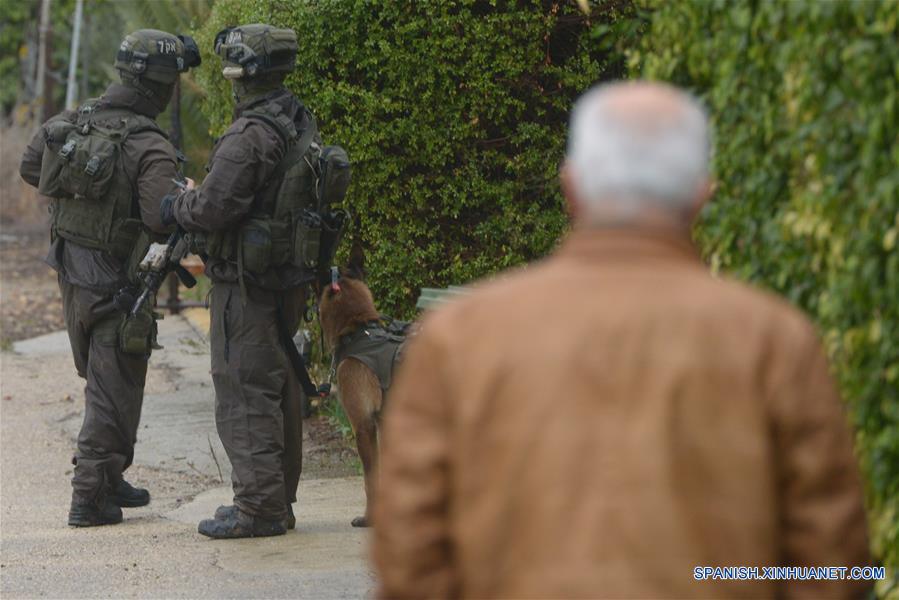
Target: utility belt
<point>259,244</point>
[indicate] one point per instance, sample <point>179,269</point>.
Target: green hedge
<point>454,114</point>
<point>804,100</point>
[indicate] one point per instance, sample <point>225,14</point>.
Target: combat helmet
<point>150,54</point>
<point>250,51</point>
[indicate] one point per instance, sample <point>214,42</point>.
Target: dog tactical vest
<point>375,347</point>
<point>92,199</point>
<point>289,221</point>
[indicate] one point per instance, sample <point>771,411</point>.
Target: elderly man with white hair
<point>615,422</point>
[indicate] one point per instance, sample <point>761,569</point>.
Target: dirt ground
<point>29,295</point>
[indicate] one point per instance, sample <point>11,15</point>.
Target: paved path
<point>156,552</point>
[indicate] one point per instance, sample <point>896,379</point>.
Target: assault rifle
<point>160,260</point>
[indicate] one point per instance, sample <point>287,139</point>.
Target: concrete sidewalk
<point>156,552</point>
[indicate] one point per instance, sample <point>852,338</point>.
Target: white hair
<point>637,144</point>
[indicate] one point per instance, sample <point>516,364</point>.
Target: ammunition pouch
<point>137,333</point>
<point>255,250</point>
<point>307,240</point>
<point>82,167</point>
<point>282,241</point>
<point>54,159</point>
<point>216,244</point>
<point>334,165</point>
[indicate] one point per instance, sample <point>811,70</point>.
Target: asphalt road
<point>156,552</point>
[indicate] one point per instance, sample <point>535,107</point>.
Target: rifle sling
<point>294,152</point>
<point>296,359</point>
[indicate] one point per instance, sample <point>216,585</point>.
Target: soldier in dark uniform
<point>106,167</point>
<point>249,222</point>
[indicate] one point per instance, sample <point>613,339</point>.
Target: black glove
<point>167,210</point>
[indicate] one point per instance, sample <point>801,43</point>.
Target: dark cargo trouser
<point>112,397</point>
<point>257,395</point>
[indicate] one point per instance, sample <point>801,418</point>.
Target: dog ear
<point>355,268</point>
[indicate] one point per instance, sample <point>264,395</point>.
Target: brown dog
<point>347,311</point>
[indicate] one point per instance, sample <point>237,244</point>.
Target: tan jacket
<point>601,423</point>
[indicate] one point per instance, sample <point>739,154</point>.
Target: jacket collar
<point>122,96</point>
<point>273,96</point>
<point>629,244</point>
<point>290,106</point>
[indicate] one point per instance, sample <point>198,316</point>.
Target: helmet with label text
<point>150,61</point>
<point>155,55</point>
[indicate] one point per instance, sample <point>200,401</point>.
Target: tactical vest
<point>93,202</point>
<point>290,222</point>
<point>377,347</point>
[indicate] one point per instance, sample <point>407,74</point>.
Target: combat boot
<point>238,524</point>
<point>127,496</point>
<point>224,512</point>
<point>90,514</point>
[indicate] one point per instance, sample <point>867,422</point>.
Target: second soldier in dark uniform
<point>247,220</point>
